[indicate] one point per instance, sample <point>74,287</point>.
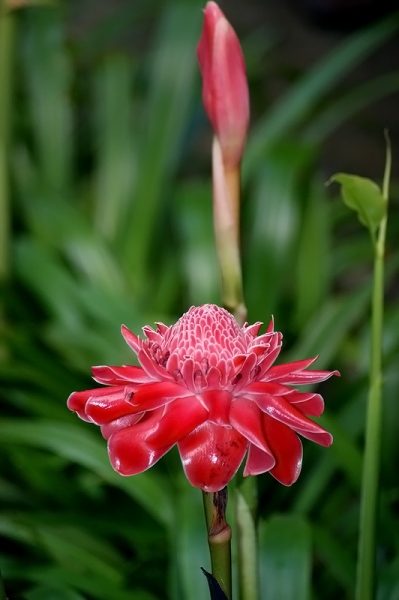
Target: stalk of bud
<point>226,101</point>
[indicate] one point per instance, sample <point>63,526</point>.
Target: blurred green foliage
<point>108,212</point>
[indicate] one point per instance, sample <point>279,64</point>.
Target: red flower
<point>208,385</point>
<point>224,83</point>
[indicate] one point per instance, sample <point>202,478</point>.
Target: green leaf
<point>49,593</point>
<point>188,543</point>
<point>48,78</point>
<point>274,227</point>
<point>336,558</point>
<point>285,558</point>
<point>304,95</point>
<point>84,448</point>
<point>313,268</point>
<point>363,196</point>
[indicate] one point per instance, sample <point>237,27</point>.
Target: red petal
<point>110,428</point>
<point>132,340</point>
<point>181,417</point>
<point>128,450</point>
<point>103,409</point>
<point>270,327</point>
<point>154,395</point>
<point>288,368</point>
<point>258,461</point>
<point>211,456</point>
<point>218,404</point>
<point>253,329</point>
<point>153,370</point>
<point>267,362</point>
<point>77,400</point>
<point>213,378</point>
<point>120,375</point>
<point>287,449</point>
<point>305,377</point>
<point>278,408</point>
<point>308,404</point>
<point>245,370</point>
<point>246,418</point>
<point>267,387</point>
<point>152,335</point>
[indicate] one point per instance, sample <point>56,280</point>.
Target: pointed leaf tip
<point>214,587</point>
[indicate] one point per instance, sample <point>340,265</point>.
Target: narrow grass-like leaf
<point>7,26</point>
<point>332,322</point>
<point>285,558</point>
<point>189,542</point>
<point>336,558</point>
<point>48,75</point>
<point>348,105</point>
<point>313,256</point>
<point>305,95</point>
<point>273,229</point>
<point>49,593</point>
<point>172,74</point>
<point>347,455</point>
<point>117,164</point>
<point>83,447</point>
<point>198,256</point>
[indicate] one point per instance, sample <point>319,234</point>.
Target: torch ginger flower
<point>208,385</point>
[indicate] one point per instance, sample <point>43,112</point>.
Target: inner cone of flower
<point>209,386</point>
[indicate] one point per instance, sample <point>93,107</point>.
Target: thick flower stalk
<point>209,386</point>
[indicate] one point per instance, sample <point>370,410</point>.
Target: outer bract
<point>208,385</point>
<point>224,83</point>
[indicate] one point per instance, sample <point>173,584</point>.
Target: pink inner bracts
<point>210,386</point>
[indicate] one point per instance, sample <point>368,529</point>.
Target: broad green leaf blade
<point>363,196</point>
<point>285,558</point>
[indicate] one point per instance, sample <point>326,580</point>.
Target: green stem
<point>371,464</point>
<point>247,543</point>
<point>219,538</point>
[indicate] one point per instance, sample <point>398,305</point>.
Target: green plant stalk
<point>219,538</point>
<point>6,45</point>
<point>248,568</point>
<point>365,581</point>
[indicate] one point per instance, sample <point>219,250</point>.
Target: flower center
<point>207,334</point>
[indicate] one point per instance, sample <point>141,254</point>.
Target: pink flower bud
<point>225,87</point>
